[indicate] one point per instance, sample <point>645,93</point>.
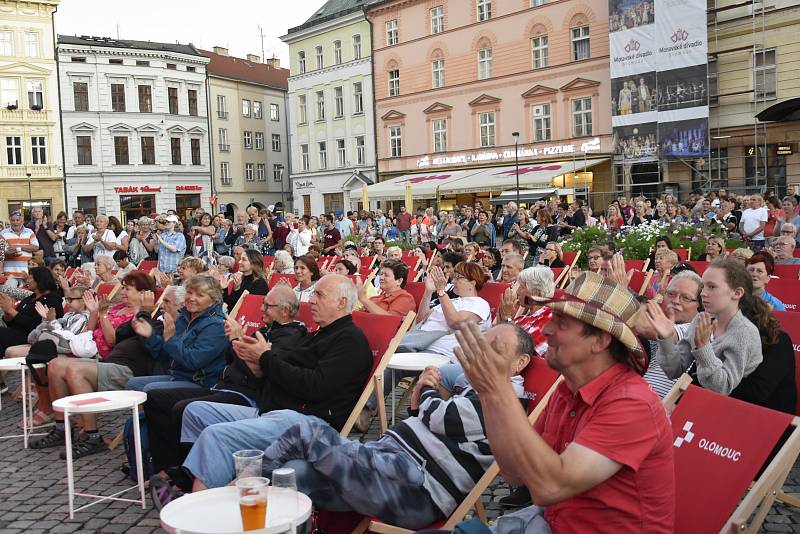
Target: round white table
<point>18,364</point>
<point>98,402</point>
<point>413,361</point>
<point>216,511</point>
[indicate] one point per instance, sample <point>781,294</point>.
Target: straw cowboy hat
<point>600,302</point>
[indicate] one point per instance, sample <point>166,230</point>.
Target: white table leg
<point>393,401</point>
<point>137,441</point>
<point>70,480</point>
<point>25,403</point>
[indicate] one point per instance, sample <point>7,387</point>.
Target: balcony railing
<point>23,115</point>
<point>222,114</point>
<point>20,171</point>
<point>224,147</point>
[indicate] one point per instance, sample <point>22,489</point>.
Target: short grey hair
<point>788,225</point>
<point>345,289</point>
<point>688,275</point>
<point>226,261</point>
<point>145,220</point>
<point>179,292</point>
<point>514,258</point>
<point>283,260</point>
<point>538,278</point>
<point>104,259</point>
<point>286,299</point>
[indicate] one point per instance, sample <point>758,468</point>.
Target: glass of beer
<point>253,502</point>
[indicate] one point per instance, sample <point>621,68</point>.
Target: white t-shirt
<point>100,249</point>
<point>752,218</point>
<point>436,322</point>
<point>71,231</point>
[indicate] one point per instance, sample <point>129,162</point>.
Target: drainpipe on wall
<point>214,207</point>
<point>374,110</point>
<point>60,115</point>
<point>288,173</point>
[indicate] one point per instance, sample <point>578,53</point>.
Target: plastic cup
<point>253,502</point>
<point>283,494</point>
<point>248,463</point>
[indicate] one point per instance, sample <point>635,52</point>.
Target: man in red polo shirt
<point>599,458</point>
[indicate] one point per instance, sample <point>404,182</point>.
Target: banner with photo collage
<point>659,79</point>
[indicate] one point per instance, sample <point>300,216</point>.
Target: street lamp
<point>30,193</point>
<point>515,135</point>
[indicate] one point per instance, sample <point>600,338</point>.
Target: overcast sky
<point>206,23</point>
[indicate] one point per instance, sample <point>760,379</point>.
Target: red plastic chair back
<point>411,262</point>
<point>250,314</point>
<point>147,265</point>
<point>417,290</point>
<point>365,272</point>
<point>683,253</point>
<point>379,329</point>
<point>631,265</point>
<point>569,257</point>
<point>412,274</point>
<point>790,272</point>
<point>636,281</point>
<point>715,455</point>
<point>104,290</point>
<point>790,323</point>
<point>699,266</point>
<point>304,316</point>
<point>492,292</point>
<point>276,278</point>
<point>538,377</point>
<point>268,261</point>
<point>787,291</point>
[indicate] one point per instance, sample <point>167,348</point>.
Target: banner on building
<point>659,79</point>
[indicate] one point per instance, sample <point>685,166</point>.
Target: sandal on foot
<point>162,492</point>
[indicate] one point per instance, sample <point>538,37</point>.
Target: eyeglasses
<point>457,276</point>
<point>787,232</point>
<point>594,258</point>
<point>674,295</point>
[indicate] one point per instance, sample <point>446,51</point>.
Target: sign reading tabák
<point>659,79</point>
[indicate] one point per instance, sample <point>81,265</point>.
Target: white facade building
<point>135,126</point>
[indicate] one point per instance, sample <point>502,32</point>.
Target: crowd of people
<point>213,389</point>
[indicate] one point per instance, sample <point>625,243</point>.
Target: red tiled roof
<point>248,71</point>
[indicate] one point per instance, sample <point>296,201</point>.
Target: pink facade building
<point>454,79</point>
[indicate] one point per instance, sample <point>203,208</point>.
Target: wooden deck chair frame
<point>158,304</point>
<point>767,488</point>
<point>560,278</point>
<point>430,261</point>
<point>114,290</point>
<point>376,382</point>
<point>575,259</point>
<point>233,311</point>
<point>473,498</point>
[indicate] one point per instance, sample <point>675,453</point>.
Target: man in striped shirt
<point>20,244</point>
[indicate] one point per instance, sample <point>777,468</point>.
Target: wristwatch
<point>441,293</point>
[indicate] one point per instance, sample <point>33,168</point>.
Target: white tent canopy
<point>422,185</point>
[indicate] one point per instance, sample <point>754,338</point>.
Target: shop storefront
<point>325,194</point>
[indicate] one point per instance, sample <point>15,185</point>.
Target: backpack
<point>148,470</point>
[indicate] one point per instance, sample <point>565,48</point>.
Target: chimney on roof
<point>221,51</point>
<point>254,58</point>
<point>274,62</point>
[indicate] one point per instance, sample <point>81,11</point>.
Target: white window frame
<point>222,106</point>
<point>320,105</point>
<point>6,43</point>
<point>34,90</point>
<point>338,102</point>
<point>437,73</point>
<point>485,61</point>
<point>304,162</point>
<point>763,73</point>
<point>38,150</point>
<point>713,82</point>
<point>224,173</point>
<point>337,52</point>
<point>577,37</point>
<point>274,112</point>
<point>542,122</point>
<point>358,98</point>
<point>483,10</point>
<point>322,154</point>
<point>302,109</point>
<point>486,129</point>
<point>439,128</point>
<point>259,139</point>
<point>249,172</point>
<point>319,57</point>
<point>536,3</point>
<point>245,107</point>
<point>277,172</point>
<point>361,150</point>
<point>256,109</point>
<point>581,127</point>
<point>394,82</point>
<point>31,44</point>
<point>392,35</point>
<point>437,19</point>
<point>540,51</point>
<point>261,172</point>
<point>395,141</point>
<point>9,92</point>
<point>301,61</point>
<point>276,142</point>
<point>341,153</point>
<point>247,140</point>
<point>356,46</point>
<point>14,150</point>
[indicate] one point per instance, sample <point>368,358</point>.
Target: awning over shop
<point>788,110</point>
<point>530,194</point>
<point>422,185</point>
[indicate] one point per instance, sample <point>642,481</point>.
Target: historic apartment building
<point>248,131</point>
<point>455,80</point>
<point>331,130</point>
<point>31,168</point>
<point>135,126</point>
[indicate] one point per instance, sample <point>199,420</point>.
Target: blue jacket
<point>196,353</point>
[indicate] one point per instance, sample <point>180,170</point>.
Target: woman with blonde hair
<point>394,253</point>
<point>741,255</point>
<point>715,248</point>
<point>613,219</point>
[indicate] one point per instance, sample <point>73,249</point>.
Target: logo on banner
<point>632,46</point>
<point>717,449</point>
<point>686,438</point>
<point>679,35</point>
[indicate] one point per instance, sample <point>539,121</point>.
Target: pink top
<point>117,315</point>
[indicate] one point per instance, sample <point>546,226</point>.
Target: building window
<point>223,140</point>
<point>392,37</point>
<point>249,174</point>
<point>192,95</point>
<point>765,75</point>
<point>322,151</point>
<point>437,19</point>
<point>274,112</point>
<point>6,43</point>
<point>539,47</point>
<point>245,107</point>
<point>580,43</point>
<point>338,102</point>
<point>486,122</point>
<point>394,82</point>
<point>437,72</point>
<point>121,156</point>
<point>304,157</point>
<point>259,140</point>
<point>140,63</point>
<point>358,98</point>
<point>39,150</point>
<point>319,57</point>
<point>713,84</point>
<point>172,66</point>
<point>222,107</point>
<point>88,205</point>
<point>256,109</point>
<point>361,154</point>
<point>224,174</point>
<point>195,146</point>
<point>172,100</point>
<point>716,173</point>
<point>35,94</point>
<point>115,62</point>
<point>84,146</point>
<point>248,140</point>
<point>582,117</point>
<point>302,108</point>
<point>14,150</point>
<point>175,150</point>
<point>395,141</point>
<point>261,172</point>
<point>31,44</point>
<point>541,122</point>
<point>356,47</point>
<point>276,142</point>
<point>277,173</point>
<point>333,202</point>
<point>484,9</point>
<point>484,63</point>
<point>145,99</point>
<point>148,150</point>
<point>320,106</point>
<point>341,153</point>
<point>9,92</point>
<point>80,94</point>
<point>337,52</point>
<point>301,62</point>
<point>535,3</point>
<point>440,135</point>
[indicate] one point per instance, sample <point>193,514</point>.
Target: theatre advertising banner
<point>659,79</point>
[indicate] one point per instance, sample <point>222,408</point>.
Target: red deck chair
<point>492,292</point>
<point>683,253</point>
<point>70,271</point>
<point>413,275</point>
<point>147,265</point>
<point>365,272</point>
<point>538,379</point>
<point>159,295</point>
<point>637,265</point>
<point>557,273</point>
<point>796,253</point>
<point>569,257</point>
<point>276,278</point>
<point>235,268</point>
<point>790,323</point>
<point>108,290</point>
<point>268,261</point>
<point>790,272</point>
<point>248,312</point>
<point>417,290</point>
<point>787,291</point>
<point>715,454</point>
<point>304,316</point>
<point>412,262</point>
<point>639,281</point>
<point>699,266</point>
